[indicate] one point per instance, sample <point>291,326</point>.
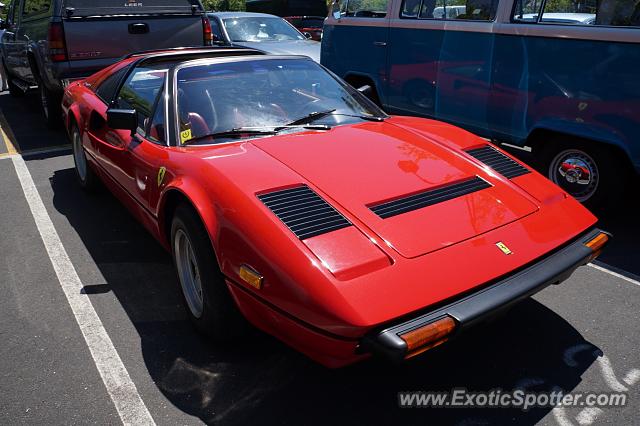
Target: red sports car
<point>288,198</point>
<point>311,25</point>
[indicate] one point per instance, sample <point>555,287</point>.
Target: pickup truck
<point>48,43</point>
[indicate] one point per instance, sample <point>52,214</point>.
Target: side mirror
<point>3,24</point>
<point>335,10</point>
<point>307,35</point>
<point>122,119</point>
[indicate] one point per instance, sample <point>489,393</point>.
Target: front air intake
<point>429,198</point>
<point>304,212</point>
<point>498,162</point>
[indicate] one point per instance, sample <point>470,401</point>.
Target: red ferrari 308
<point>288,198</point>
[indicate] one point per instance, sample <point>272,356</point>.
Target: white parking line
<point>120,387</point>
<point>615,274</point>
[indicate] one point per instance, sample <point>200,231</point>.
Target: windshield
<point>260,28</point>
<point>263,94</point>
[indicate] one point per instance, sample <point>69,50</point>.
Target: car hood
<point>360,166</point>
<point>308,48</point>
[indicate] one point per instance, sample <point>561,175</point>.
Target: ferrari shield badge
<point>161,173</point>
<point>503,247</point>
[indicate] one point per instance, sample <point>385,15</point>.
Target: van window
<point>36,7</point>
<point>365,8</point>
<point>620,13</point>
<point>471,10</point>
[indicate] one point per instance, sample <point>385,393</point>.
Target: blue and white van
<point>562,76</point>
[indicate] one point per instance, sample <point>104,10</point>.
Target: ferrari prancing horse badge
<point>161,174</point>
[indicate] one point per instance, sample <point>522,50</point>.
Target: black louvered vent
<point>498,162</point>
<point>304,212</point>
<point>429,198</point>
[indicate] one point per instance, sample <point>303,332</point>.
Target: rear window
<point>84,7</point>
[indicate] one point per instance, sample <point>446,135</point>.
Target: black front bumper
<point>489,301</point>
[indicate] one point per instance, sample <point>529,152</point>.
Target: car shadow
<point>26,123</point>
<point>263,381</point>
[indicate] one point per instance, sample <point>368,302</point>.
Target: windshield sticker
<point>185,135</point>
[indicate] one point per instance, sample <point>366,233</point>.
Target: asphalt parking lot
<point>582,336</point>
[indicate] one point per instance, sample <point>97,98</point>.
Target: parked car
<point>49,43</point>
<point>560,18</point>
<point>308,25</point>
<point>268,33</point>
<point>287,196</point>
<point>557,77</point>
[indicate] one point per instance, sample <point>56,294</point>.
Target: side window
<point>35,7</point>
<point>527,10</point>
<point>157,126</point>
<point>625,13</point>
<point>366,8</point>
<point>107,88</point>
<point>470,10</point>
<point>140,92</point>
<point>216,30</point>
<point>619,13</point>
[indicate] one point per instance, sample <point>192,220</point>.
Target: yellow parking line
<point>8,137</point>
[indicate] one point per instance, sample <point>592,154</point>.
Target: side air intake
<point>304,212</point>
<point>429,198</point>
<point>498,162</point>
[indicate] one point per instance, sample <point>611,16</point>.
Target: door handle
<point>138,28</point>
<point>380,43</point>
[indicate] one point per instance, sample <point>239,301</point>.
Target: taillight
<point>206,29</point>
<point>57,45</point>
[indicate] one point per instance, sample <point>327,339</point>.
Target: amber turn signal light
<point>597,244</point>
<point>428,336</point>
<point>251,277</point>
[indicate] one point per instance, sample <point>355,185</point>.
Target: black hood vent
<point>498,162</point>
<point>304,212</point>
<point>429,198</point>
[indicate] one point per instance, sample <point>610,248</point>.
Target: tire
<point>84,173</point>
<point>206,297</point>
<point>593,173</point>
<point>421,94</point>
<point>50,104</point>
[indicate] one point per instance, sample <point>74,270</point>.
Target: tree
<point>222,5</point>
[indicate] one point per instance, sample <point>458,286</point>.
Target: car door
<point>355,42</point>
<point>132,160</point>
<point>9,43</point>
<point>34,21</point>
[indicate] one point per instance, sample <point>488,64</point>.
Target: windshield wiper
<point>364,117</point>
<point>310,117</point>
<point>238,132</point>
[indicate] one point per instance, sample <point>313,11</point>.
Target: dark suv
<point>48,43</point>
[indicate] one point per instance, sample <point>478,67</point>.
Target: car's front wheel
<point>84,174</point>
<point>208,302</point>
